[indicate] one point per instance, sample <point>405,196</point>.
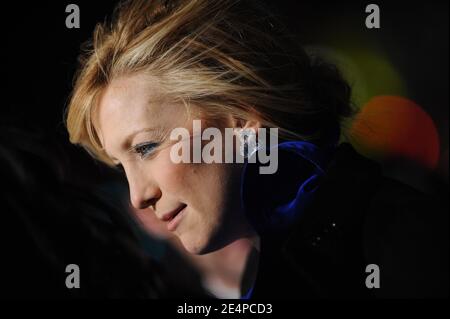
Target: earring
<point>248,145</point>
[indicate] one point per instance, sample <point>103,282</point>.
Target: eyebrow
<point>129,138</point>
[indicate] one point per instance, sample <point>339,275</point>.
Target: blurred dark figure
<point>49,223</point>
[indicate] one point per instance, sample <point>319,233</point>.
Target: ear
<point>253,123</point>
<point>250,125</point>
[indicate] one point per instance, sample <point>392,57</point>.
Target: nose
<point>144,191</point>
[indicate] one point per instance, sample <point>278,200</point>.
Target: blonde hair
<point>227,56</point>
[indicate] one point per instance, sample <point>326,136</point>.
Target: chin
<point>193,244</point>
<point>197,245</point>
<point>194,247</point>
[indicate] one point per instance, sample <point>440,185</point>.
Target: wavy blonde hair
<point>226,56</point>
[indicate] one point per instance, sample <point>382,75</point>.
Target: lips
<point>176,220</point>
<point>171,215</point>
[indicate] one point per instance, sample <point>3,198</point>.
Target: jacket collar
<point>272,202</point>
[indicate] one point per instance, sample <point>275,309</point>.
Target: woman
<point>161,65</point>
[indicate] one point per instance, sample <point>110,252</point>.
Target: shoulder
<point>360,217</point>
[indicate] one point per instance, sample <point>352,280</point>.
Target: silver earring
<point>248,145</point>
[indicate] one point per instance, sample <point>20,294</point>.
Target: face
<point>200,202</point>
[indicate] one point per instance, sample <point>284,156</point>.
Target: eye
<point>145,149</point>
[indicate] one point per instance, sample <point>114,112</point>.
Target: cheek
<point>199,185</point>
<point>207,188</point>
<point>171,177</point>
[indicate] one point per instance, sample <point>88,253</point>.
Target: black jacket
<point>358,217</point>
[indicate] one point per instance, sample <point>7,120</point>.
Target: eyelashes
<point>144,150</point>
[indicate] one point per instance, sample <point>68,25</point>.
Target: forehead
<point>129,97</point>
<point>129,104</point>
